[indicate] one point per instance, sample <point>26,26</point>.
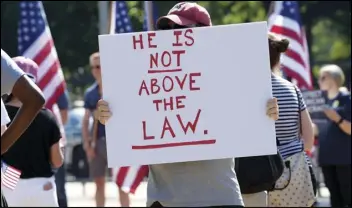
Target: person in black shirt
<point>35,154</point>
<point>335,139</point>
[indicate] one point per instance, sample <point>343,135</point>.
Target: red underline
<point>175,144</point>
<point>151,71</point>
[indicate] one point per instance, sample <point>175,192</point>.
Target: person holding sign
<point>199,183</point>
<point>335,140</point>
<point>94,142</point>
<point>294,133</point>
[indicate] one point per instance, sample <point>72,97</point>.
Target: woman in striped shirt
<point>291,142</point>
<point>294,133</point>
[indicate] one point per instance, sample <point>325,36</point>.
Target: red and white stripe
<point>50,76</point>
<point>10,176</point>
<point>295,62</point>
<point>129,178</point>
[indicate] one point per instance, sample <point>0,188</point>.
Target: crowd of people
<point>30,140</point>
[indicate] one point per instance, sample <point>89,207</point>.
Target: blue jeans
<point>60,180</point>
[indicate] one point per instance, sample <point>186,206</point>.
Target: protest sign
<point>187,95</point>
<point>315,100</point>
<point>316,103</point>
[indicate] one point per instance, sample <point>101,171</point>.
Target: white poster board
<point>217,78</point>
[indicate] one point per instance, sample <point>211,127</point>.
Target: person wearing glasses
<point>14,80</point>
<point>94,142</point>
<point>95,145</point>
<point>211,183</point>
<point>335,140</point>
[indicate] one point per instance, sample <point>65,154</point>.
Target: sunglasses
<point>169,25</point>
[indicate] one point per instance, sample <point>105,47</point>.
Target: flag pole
<point>271,11</point>
<point>111,14</point>
<point>148,8</point>
<point>103,8</point>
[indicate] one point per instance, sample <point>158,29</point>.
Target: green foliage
<point>329,44</point>
<point>74,26</point>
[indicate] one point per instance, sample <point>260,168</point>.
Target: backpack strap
<point>299,111</point>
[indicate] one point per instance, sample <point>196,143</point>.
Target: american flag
<point>9,176</point>
<point>285,21</point>
<point>35,42</point>
<point>127,178</point>
<point>119,19</point>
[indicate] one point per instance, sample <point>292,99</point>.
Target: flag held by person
<point>285,21</point>
<point>127,178</point>
<point>35,42</point>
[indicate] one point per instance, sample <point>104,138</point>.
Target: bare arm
<point>56,155</point>
<point>345,115</point>
<point>85,128</point>
<point>346,127</point>
<point>307,133</point>
<point>315,129</point>
<point>32,101</point>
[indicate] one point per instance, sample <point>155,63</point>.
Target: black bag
<point>259,173</point>
<point>314,180</point>
<point>80,166</point>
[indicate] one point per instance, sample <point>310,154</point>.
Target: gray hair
<point>335,72</point>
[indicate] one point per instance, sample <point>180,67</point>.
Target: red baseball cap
<point>188,13</point>
<point>28,66</point>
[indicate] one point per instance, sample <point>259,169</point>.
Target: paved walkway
<point>83,196</point>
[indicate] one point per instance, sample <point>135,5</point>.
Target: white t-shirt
<point>5,119</point>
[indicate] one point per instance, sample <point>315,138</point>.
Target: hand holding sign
<point>103,112</point>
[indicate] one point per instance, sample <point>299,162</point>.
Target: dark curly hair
<point>276,47</point>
